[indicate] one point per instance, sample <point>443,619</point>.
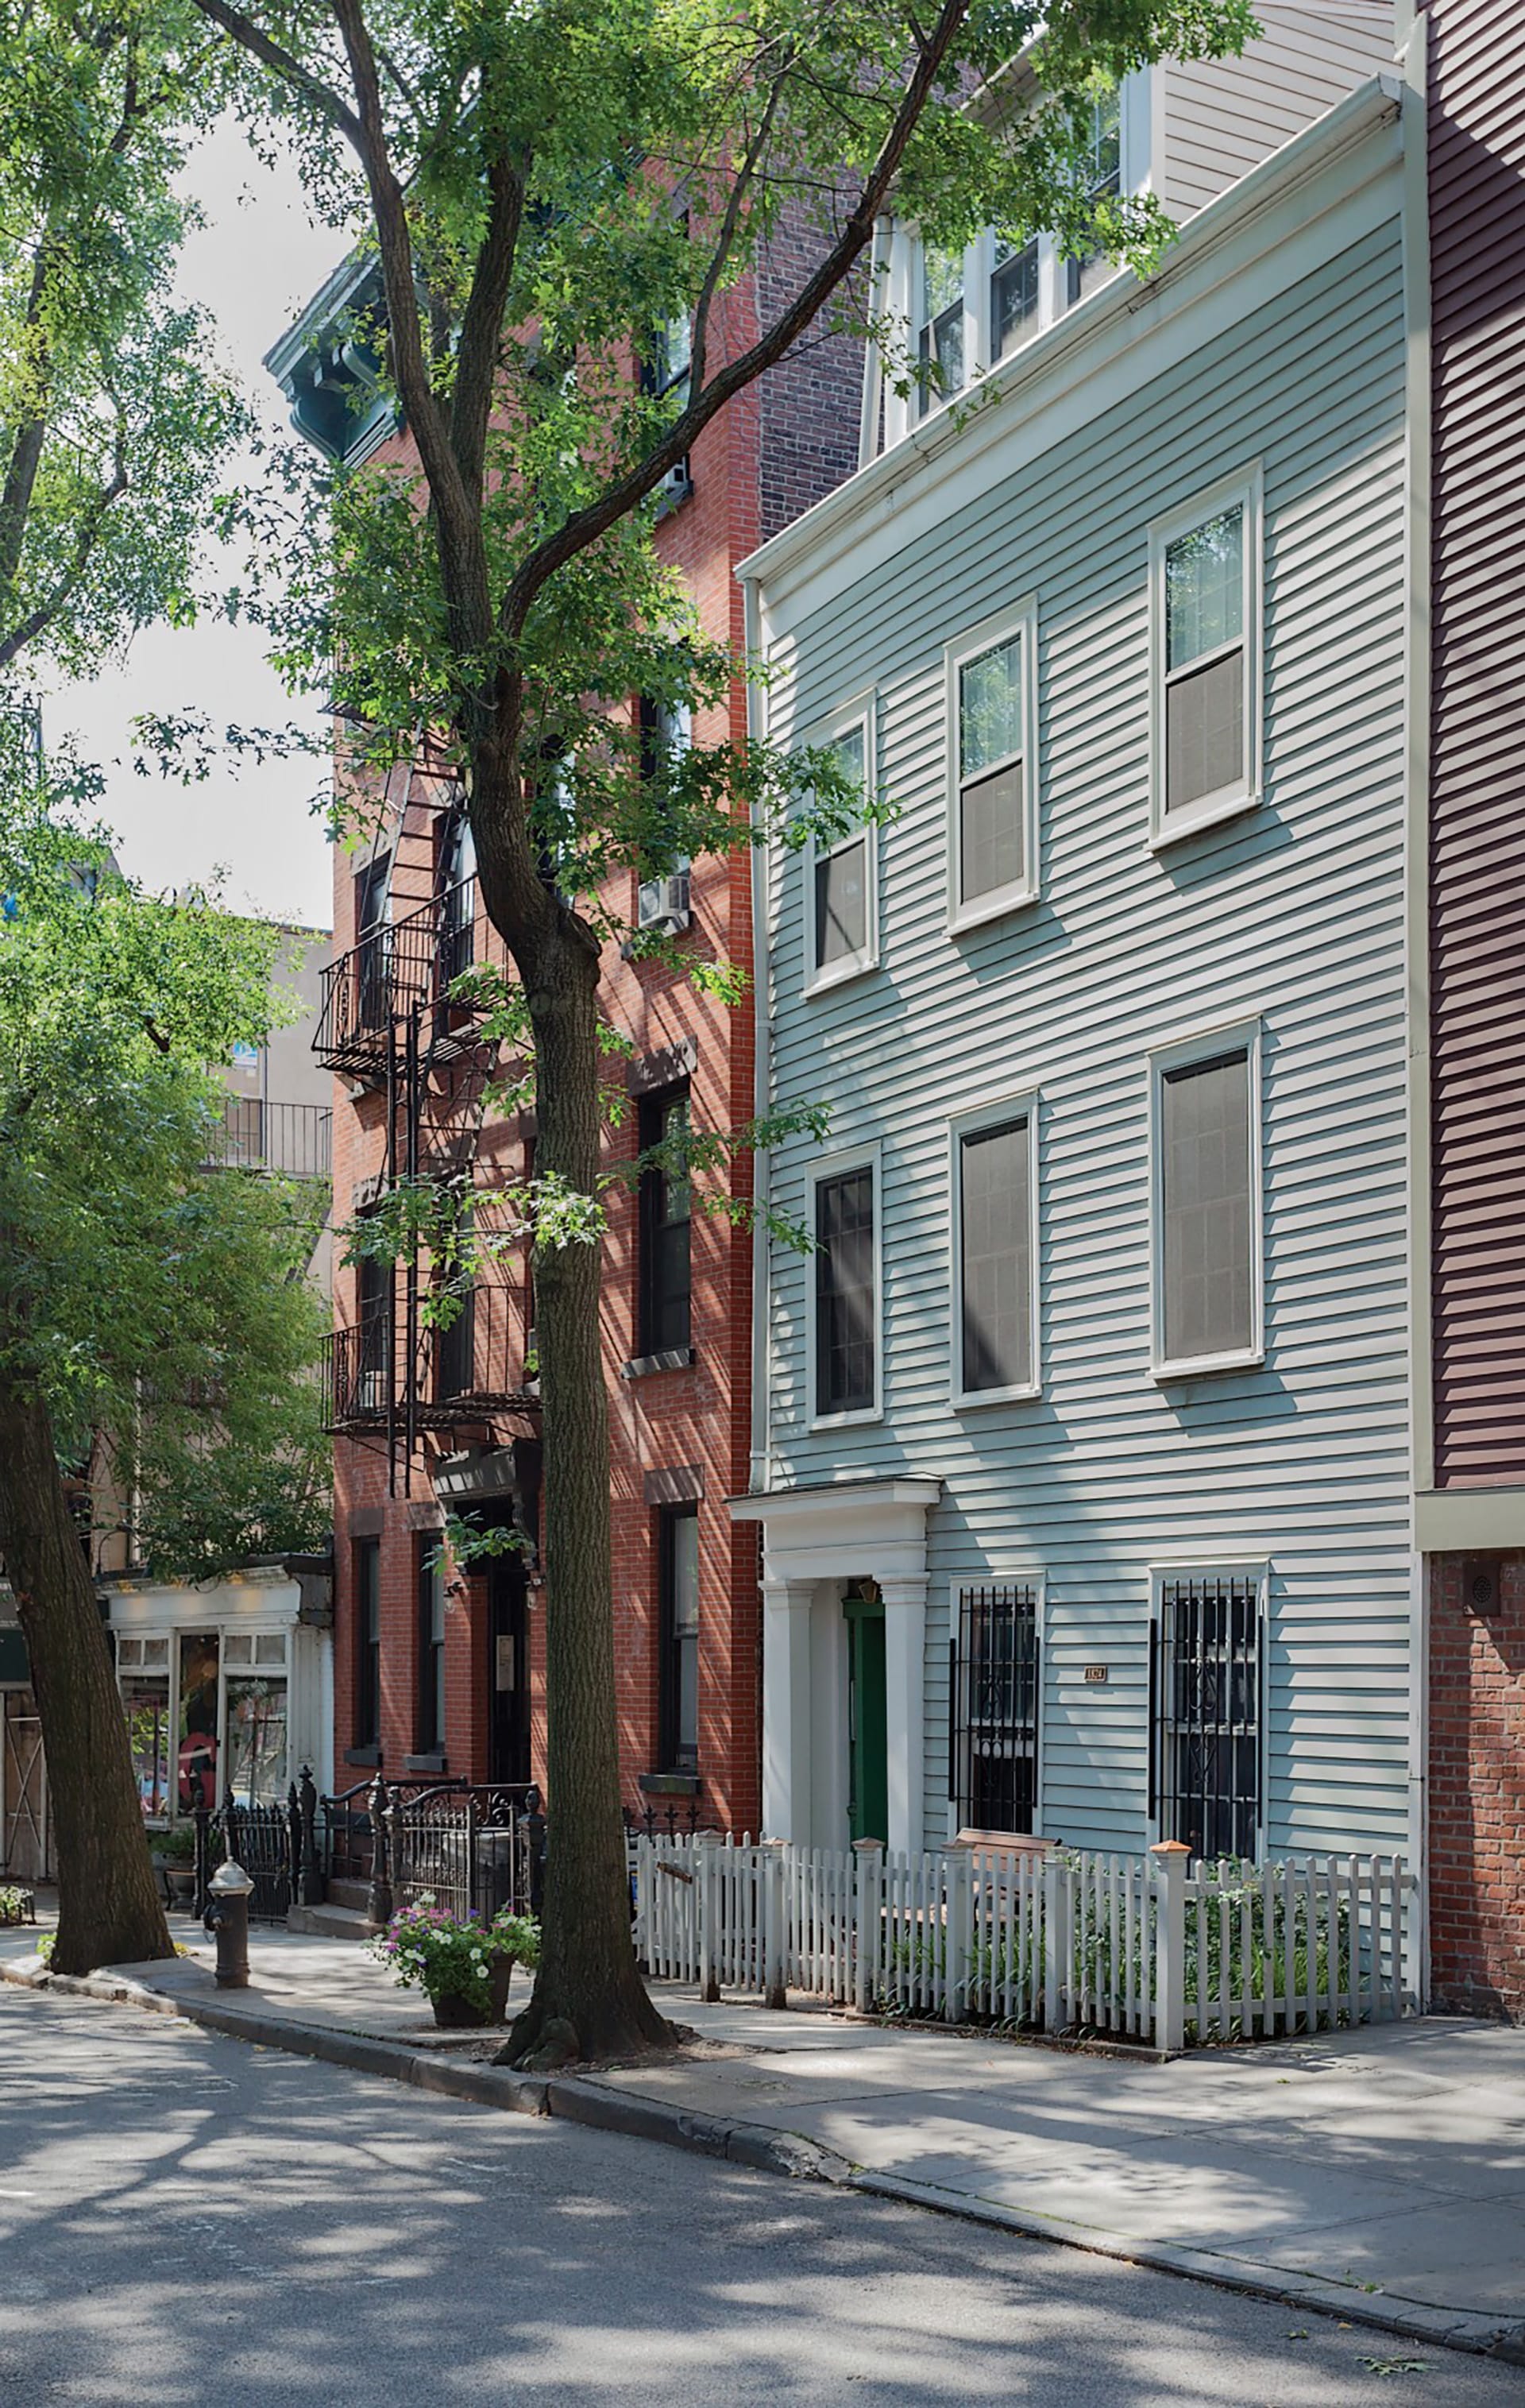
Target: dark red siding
<point>1477,843</point>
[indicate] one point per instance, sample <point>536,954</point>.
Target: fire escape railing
<point>389,1020</point>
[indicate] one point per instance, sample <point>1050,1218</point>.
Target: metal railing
<point>402,966</point>
<point>296,1140</point>
<point>474,1847</point>
<point>467,1369</point>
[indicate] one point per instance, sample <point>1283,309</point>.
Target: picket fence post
<point>707,1908</point>
<point>868,1916</point>
<point>774,1934</point>
<point>958,1942</point>
<point>1056,1945</point>
<point>1171,1859</point>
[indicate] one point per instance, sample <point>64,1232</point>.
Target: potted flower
<point>173,1853</point>
<point>463,1965</point>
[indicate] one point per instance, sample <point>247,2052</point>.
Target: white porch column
<point>786,1709</point>
<point>905,1661</point>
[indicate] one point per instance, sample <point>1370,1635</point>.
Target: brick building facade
<point>436,1679</point>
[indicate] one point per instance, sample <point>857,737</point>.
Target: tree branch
<point>258,43</point>
<point>585,526</point>
<point>477,352</point>
<point>29,628</point>
<point>699,338</point>
<point>457,516</point>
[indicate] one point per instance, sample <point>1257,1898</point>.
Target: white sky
<point>256,264</point>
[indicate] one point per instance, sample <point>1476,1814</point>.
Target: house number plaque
<point>1095,1676</point>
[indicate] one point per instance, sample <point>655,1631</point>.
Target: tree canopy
<point>156,1306</point>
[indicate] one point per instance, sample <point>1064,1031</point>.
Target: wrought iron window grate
<point>993,1725</point>
<point>1206,1681</point>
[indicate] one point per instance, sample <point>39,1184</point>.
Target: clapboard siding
<point>1223,116</point>
<point>1478,736</point>
<point>1295,913</point>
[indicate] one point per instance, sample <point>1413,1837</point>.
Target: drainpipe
<point>762,1073</point>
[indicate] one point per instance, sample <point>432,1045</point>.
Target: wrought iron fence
<point>475,1848</point>
<point>265,1839</point>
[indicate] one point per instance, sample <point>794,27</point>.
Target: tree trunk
<point>587,1979</point>
<point>109,1912</point>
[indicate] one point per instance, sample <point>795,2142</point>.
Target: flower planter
<point>452,2013</point>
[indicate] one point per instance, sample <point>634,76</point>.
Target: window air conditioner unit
<point>677,485</point>
<point>665,902</point>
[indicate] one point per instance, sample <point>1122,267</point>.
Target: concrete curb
<point>1457,2328</point>
<point>588,2102</point>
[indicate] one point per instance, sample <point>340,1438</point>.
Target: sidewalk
<point>1377,2174</point>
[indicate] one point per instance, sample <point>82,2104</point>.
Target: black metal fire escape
<point>391,1025</point>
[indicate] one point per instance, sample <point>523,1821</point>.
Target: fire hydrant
<point>227,1916</point>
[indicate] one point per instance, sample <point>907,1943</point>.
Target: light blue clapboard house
<point>1082,1436</point>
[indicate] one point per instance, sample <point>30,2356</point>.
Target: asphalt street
<point>190,2222</point>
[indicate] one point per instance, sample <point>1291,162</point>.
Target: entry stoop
<point>332,1921</point>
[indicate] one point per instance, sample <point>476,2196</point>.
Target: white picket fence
<point>1139,1947</point>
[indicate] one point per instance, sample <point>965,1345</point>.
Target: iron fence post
<point>311,1871</point>
<point>293,1858</point>
<point>398,1868</point>
<point>379,1903</point>
<point>201,1816</point>
<point>534,1823</point>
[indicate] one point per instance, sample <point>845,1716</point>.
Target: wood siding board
<point>1296,910</point>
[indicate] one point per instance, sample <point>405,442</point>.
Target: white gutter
<point>762,1434</point>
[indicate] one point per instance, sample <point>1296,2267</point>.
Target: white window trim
<point>176,1632</point>
<point>1022,620</point>
<point>999,1575</point>
<point>1203,1045</point>
<point>860,712</point>
<point>1247,489</point>
<point>904,414</point>
<point>827,1166</point>
<point>1227,1565</point>
<point>993,1116</point>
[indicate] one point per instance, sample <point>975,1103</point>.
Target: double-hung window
<point>678,1577</point>
<point>995,1350</point>
<point>842,934</point>
<point>993,1720</point>
<point>666,732</point>
<point>992,771</point>
<point>1206,602</point>
<point>431,1690</point>
<point>1101,175</point>
<point>1015,295</point>
<point>940,334</point>
<point>1207,1683</point>
<point>665,1216</point>
<point>367,1635</point>
<point>1207,1204</point>
<point>845,1268</point>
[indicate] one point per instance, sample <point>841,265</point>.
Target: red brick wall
<point>1477,1786</point>
<point>699,1416</point>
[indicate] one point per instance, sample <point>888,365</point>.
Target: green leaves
<point>157,1305</point>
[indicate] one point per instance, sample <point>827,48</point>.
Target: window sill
<point>433,1762</point>
<point>1210,812</point>
<point>864,1413</point>
<point>670,1358</point>
<point>669,1785</point>
<point>974,1399</point>
<point>1249,1358</point>
<point>840,974</point>
<point>991,907</point>
<point>363,1755</point>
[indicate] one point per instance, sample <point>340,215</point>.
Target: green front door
<point>868,1776</point>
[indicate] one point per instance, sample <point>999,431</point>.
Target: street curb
<point>1457,2328</point>
<point>588,2102</point>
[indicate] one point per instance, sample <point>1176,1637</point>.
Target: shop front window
<point>143,1671</point>
<point>196,1760</point>
<point>255,1667</point>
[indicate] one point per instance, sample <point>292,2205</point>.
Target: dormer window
<point>1014,297</point>
<point>940,335</point>
<point>1102,174</point>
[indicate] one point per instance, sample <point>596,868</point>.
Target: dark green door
<point>868,1777</point>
